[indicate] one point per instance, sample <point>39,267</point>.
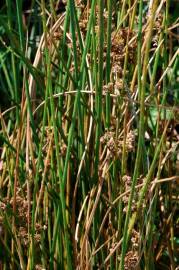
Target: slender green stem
<point>141,127</point>
<point>100,86</point>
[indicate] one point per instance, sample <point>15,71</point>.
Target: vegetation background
<point>89,134</point>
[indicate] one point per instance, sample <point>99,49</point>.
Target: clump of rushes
<point>89,135</point>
